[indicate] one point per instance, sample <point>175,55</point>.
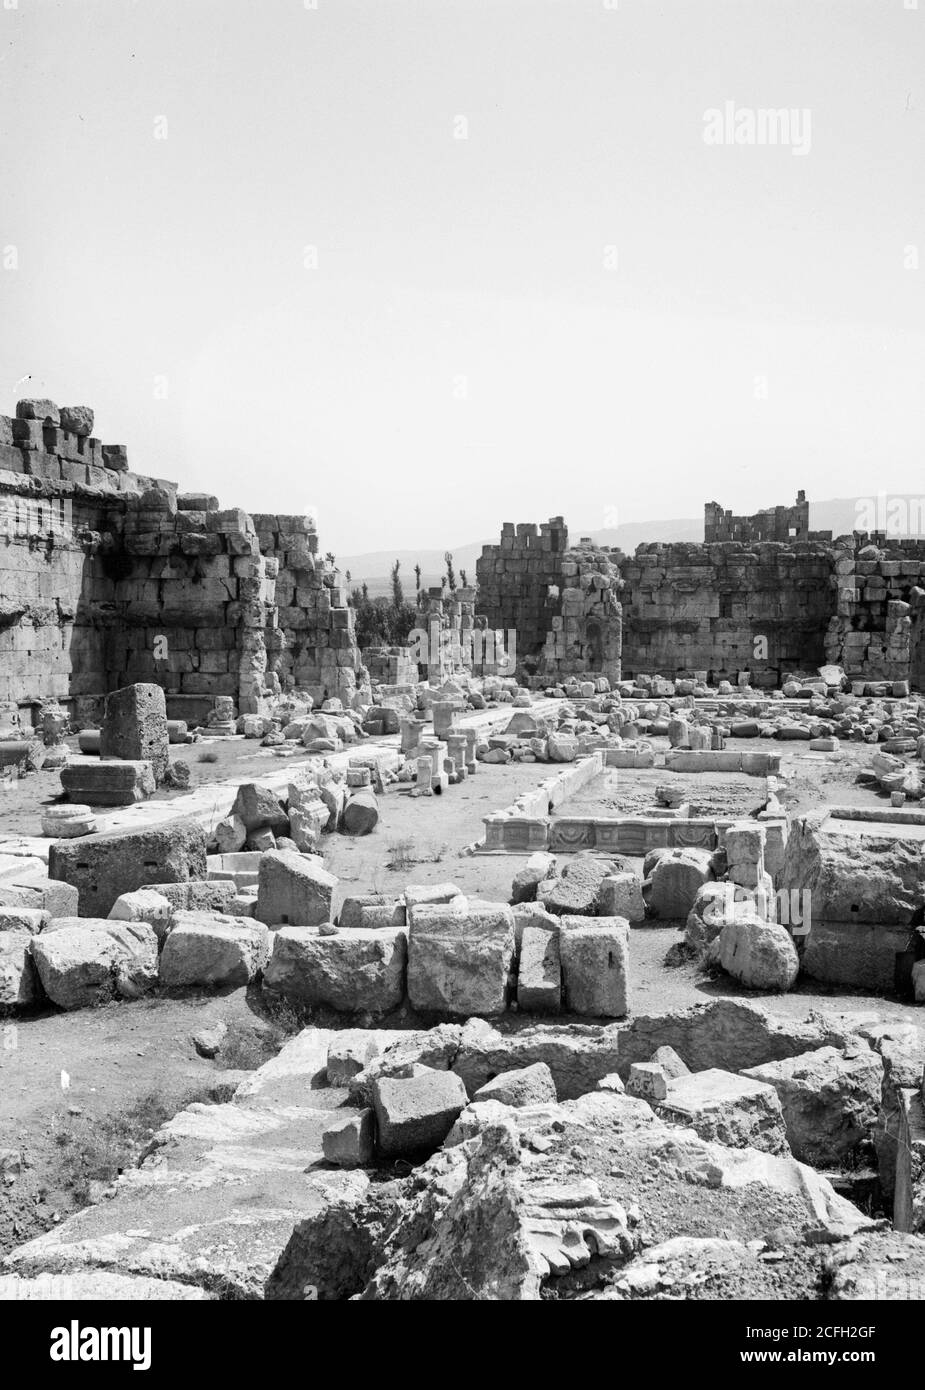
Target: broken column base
<point>109,782</point>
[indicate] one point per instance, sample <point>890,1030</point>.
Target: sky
<point>424,266</point>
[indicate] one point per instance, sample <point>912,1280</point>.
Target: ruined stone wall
<point>313,644</point>
<point>519,582</point>
<point>107,578</point>
<point>785,524</point>
<point>459,642</point>
<point>49,646</point>
<point>391,665</point>
<point>876,631</point>
<point>704,608</point>
<point>587,634</point>
<point>62,496</point>
<point>191,605</point>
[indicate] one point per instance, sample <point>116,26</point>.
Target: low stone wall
<point>632,835</point>
<point>721,760</point>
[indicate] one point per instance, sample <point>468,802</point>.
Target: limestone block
<point>349,1139</point>
<point>103,867</point>
<point>459,961</point>
<point>539,866</point>
<point>647,1080</point>
<point>415,1114</point>
<point>351,1050</point>
<point>93,960</point>
<point>830,1100</point>
<point>116,782</point>
<point>760,954</point>
<point>212,949</point>
<point>144,905</point>
<point>24,919</point>
<point>19,981</point>
<point>854,878</point>
<point>595,965</point>
<point>259,808</point>
<point>539,976</point>
<point>293,891</point>
<point>361,812</point>
<point>675,880</point>
<point>738,1111</point>
<point>621,896</point>
<point>135,727</point>
<point>354,971</point>
<point>531,1085</point>
<point>578,888</point>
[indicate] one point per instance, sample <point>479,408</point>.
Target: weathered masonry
<point>771,524</point>
<point>561,602</point>
<point>765,596</point>
<point>108,577</point>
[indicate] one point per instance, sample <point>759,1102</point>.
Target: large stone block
<point>539,973</point>
<point>578,888</point>
<point>711,907</point>
<point>135,726</point>
<point>531,1085</point>
<point>77,419</point>
<point>293,891</point>
<point>539,867</point>
<point>360,970</point>
<point>23,919</point>
<point>371,910</point>
<point>103,867</point>
<point>739,1111</point>
<point>595,965</point>
<point>830,1100</point>
<point>759,954</point>
<point>675,881</point>
<point>36,891</point>
<point>855,877</point>
<point>199,895</point>
<point>144,905</point>
<point>95,960</point>
<point>19,982</point>
<point>259,808</point>
<point>459,962</point>
<point>349,1139</point>
<point>41,409</point>
<point>860,955</point>
<point>621,896</point>
<point>415,1114</point>
<point>117,782</point>
<point>204,949</point>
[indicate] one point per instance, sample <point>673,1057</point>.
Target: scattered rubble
<point>488,1118</point>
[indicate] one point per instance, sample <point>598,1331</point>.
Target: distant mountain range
<point>840,515</point>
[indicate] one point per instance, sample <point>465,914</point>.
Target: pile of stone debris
<point>712,1153</point>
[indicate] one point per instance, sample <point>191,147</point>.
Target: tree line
<point>386,621</point>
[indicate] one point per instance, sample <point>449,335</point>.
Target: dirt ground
<point>425,839</point>
<point>626,792</point>
<point>57,1069</point>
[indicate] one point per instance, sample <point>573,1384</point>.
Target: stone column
<point>456,743</point>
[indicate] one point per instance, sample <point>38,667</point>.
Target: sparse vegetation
<point>400,854</point>
<point>247,1045</point>
<point>208,755</point>
<point>404,853</point>
<point>384,622</point>
<point>91,1151</point>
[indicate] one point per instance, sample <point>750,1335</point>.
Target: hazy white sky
<point>469,347</point>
